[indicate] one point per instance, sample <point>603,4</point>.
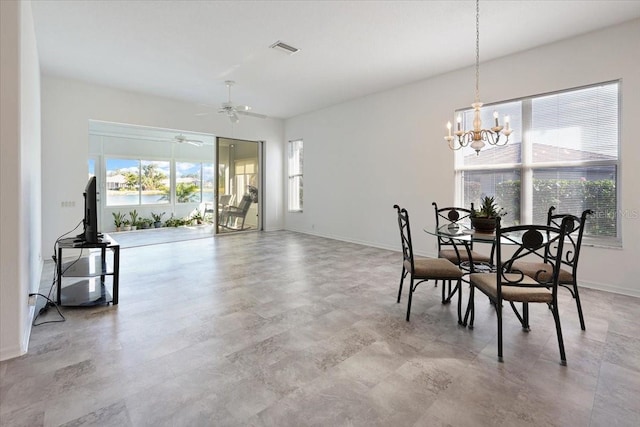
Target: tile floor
<point>286,329</point>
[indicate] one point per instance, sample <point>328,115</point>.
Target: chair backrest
<point>573,240</point>
<point>206,208</point>
<point>450,216</point>
<point>225,199</point>
<point>405,236</point>
<point>531,241</point>
<point>244,204</point>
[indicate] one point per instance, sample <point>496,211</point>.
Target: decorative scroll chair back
<point>573,242</point>
<point>447,248</point>
<point>450,216</point>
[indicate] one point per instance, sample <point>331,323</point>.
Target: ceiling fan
<point>232,110</point>
<point>181,139</point>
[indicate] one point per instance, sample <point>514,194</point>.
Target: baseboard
<point>27,329</point>
<point>349,240</point>
<point>610,288</point>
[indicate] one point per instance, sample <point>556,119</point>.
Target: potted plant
<point>126,225</point>
<point>157,219</point>
<point>175,222</point>
<point>144,223</point>
<point>197,217</point>
<point>483,220</point>
<point>133,215</point>
<point>118,218</point>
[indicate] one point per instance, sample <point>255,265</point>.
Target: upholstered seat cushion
<point>434,268</point>
<point>541,271</point>
<point>451,255</point>
<point>487,283</point>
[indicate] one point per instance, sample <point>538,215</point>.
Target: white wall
<point>20,261</point>
<point>67,107</point>
<point>363,156</point>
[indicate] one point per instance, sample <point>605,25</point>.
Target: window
<point>563,152</point>
<point>194,182</point>
<point>296,159</point>
<point>246,177</point>
<point>131,182</point>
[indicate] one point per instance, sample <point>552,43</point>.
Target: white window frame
<point>527,166</point>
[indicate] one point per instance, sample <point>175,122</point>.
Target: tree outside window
<point>137,182</point>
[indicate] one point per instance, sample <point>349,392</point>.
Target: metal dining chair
<point>568,278</point>
<point>512,285</point>
<point>421,270</point>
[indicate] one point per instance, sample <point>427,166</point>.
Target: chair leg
<point>410,297</point>
<point>444,291</point>
<point>470,309</point>
<point>556,317</point>
<point>525,317</point>
<point>459,286</point>
<point>402,276</point>
<point>576,295</point>
<point>448,291</point>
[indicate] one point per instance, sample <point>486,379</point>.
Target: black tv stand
<point>83,281</point>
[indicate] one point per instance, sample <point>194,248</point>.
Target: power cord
<point>45,308</point>
<point>50,302</point>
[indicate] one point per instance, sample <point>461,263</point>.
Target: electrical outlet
<point>67,204</point>
<point>32,300</point>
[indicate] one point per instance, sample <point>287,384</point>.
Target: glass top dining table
<point>465,235</point>
<point>461,232</point>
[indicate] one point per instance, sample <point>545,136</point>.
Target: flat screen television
<point>91,234</point>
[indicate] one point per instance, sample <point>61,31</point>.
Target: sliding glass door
<point>238,185</point>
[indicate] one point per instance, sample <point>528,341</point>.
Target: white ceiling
<point>187,49</point>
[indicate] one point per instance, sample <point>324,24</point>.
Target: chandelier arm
<point>453,146</point>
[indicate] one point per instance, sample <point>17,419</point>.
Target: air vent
<point>284,47</point>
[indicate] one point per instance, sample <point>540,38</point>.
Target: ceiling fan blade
<point>234,117</point>
<point>181,139</point>
<point>242,108</point>
<point>248,113</point>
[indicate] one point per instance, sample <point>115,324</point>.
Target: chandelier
<point>478,137</point>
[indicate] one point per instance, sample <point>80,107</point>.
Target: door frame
<point>260,178</point>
